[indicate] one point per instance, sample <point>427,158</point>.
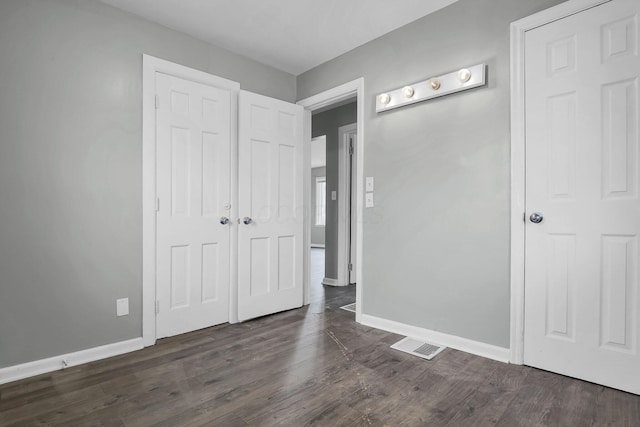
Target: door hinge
<point>157,307</point>
<point>157,204</point>
<point>351,146</point>
<point>350,267</point>
<point>157,102</point>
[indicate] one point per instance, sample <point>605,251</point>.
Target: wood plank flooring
<point>310,366</point>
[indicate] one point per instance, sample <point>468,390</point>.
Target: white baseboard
<point>463,344</point>
<point>332,282</point>
<point>37,367</point>
<point>317,245</point>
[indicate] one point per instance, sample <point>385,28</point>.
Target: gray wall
<point>436,244</point>
<point>317,232</point>
<point>70,167</point>
<point>327,123</point>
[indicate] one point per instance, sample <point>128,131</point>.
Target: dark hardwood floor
<point>310,366</point>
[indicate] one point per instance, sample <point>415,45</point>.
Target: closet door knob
<point>224,220</point>
<point>536,218</point>
<point>246,220</point>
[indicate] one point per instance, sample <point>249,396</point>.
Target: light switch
<point>334,195</point>
<point>369,183</point>
<point>368,200</point>
<point>122,307</point>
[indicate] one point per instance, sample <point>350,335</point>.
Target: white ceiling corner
<point>290,35</point>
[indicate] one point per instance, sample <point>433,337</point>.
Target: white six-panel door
<point>193,142</point>
<point>582,302</point>
<point>270,206</point>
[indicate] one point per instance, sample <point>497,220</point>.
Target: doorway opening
<point>335,114</point>
<point>318,215</point>
<point>332,152</point>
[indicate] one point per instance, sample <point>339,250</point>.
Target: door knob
<point>246,220</point>
<point>224,220</point>
<point>536,218</point>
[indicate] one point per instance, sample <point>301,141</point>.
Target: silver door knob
<point>536,218</point>
<point>246,220</point>
<point>224,220</point>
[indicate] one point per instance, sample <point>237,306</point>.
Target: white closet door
<point>193,137</point>
<point>270,206</point>
<point>582,302</point>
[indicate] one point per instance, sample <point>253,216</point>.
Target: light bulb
<point>435,84</point>
<point>464,75</point>
<point>407,91</point>
<point>384,98</point>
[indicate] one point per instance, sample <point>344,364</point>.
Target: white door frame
<point>151,65</point>
<point>344,193</point>
<point>518,160</point>
<point>324,99</point>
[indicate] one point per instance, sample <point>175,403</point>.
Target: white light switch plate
<point>369,183</point>
<point>122,307</point>
<point>368,200</point>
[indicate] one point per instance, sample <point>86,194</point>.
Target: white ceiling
<point>291,35</point>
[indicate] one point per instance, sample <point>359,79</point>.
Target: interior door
<point>193,137</point>
<point>582,301</point>
<point>270,206</point>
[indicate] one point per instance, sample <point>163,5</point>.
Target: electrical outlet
<point>122,307</point>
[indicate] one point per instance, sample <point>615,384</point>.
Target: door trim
<point>517,259</point>
<point>151,65</point>
<point>343,202</point>
<point>315,102</point>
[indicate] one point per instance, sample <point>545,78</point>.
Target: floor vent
<point>418,348</point>
<point>349,307</point>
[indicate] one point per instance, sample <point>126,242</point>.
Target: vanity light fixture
<point>455,81</point>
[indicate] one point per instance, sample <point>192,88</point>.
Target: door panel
<point>561,286</point>
<point>581,267</point>
<point>270,194</point>
<point>193,186</point>
<point>618,287</point>
<point>620,159</point>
